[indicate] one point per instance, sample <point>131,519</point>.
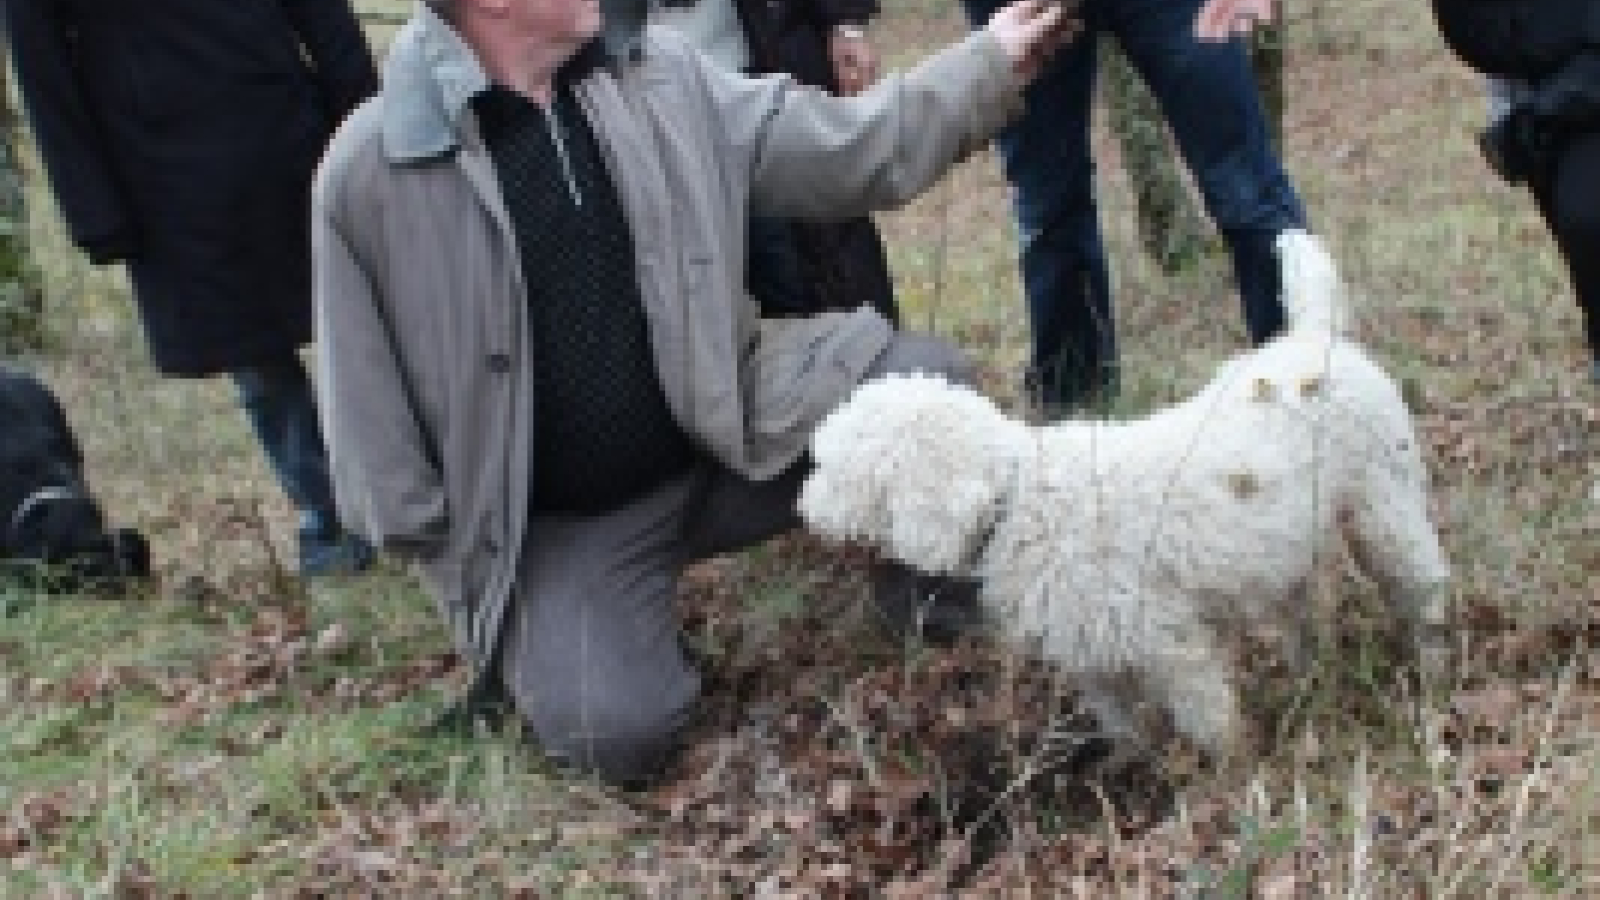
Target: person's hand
<point>1030,30</point>
<point>855,63</point>
<point>1220,20</point>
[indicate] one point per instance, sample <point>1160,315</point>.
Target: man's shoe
<point>333,552</point>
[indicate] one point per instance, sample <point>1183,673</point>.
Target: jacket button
<point>499,363</point>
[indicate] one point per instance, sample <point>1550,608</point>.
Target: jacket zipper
<point>559,137</point>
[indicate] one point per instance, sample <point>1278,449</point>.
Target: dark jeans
<point>282,408</point>
<point>775,271</point>
<point>1208,94</point>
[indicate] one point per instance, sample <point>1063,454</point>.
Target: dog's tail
<point>1313,294</point>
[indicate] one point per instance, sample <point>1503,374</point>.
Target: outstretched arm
<point>816,156</point>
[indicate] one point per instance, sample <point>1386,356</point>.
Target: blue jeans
<point>1207,92</point>
<point>282,408</point>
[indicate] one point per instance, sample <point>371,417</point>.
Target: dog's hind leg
<point>1108,697</point>
<point>1307,626</point>
<point>1195,684</point>
<point>1129,728</point>
<point>1395,544</point>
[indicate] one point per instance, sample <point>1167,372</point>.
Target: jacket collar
<point>430,76</point>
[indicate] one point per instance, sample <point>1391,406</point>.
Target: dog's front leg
<point>1114,701</point>
<point>1424,607</point>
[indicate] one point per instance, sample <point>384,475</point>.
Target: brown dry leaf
<point>135,882</point>
<point>523,887</point>
<point>1503,761</point>
<point>13,841</point>
<point>332,640</point>
<point>1277,887</point>
<point>1498,705</point>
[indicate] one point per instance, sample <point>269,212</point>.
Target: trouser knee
<point>621,742</point>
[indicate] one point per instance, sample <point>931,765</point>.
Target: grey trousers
<point>591,656</point>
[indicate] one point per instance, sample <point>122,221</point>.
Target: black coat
<point>845,261</point>
<point>791,36</point>
<point>1553,47</point>
<point>181,136</point>
<point>1527,39</point>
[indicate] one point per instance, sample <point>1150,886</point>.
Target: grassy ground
<point>231,733</point>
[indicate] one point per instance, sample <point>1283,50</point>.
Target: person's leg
<point>848,265</point>
<point>1208,93</point>
<point>774,270</point>
<point>280,403</point>
<point>1064,272</point>
<point>591,655</point>
<point>1571,207</point>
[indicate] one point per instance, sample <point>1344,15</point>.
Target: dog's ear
<point>909,462</point>
<point>838,503</point>
<point>843,497</point>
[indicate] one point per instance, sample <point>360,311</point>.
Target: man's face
<point>573,22</point>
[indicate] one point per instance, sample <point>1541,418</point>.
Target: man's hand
<point>1220,20</point>
<point>855,63</point>
<point>1030,30</point>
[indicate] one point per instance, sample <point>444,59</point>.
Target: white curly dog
<point>1126,549</point>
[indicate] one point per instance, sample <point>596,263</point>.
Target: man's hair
<point>442,7</point>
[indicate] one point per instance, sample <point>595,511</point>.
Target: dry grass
<point>230,734</point>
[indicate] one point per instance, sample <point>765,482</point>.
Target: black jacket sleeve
<point>1518,38</point>
<point>332,37</point>
<point>1570,98</point>
<point>66,128</point>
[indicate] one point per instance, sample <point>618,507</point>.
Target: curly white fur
<point>1121,546</point>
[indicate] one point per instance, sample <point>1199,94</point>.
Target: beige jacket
<point>425,379</point>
